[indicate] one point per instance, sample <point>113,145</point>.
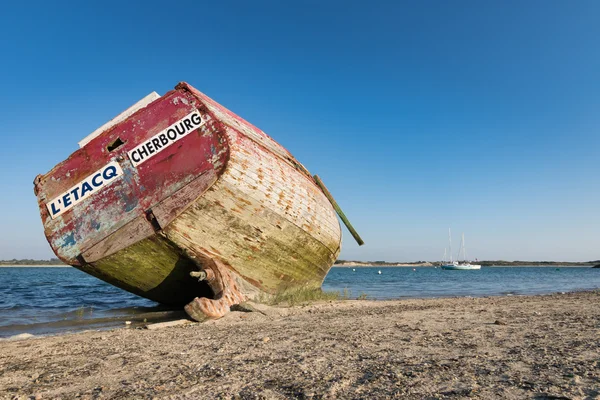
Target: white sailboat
<point>456,265</point>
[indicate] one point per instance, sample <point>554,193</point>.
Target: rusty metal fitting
<point>203,275</point>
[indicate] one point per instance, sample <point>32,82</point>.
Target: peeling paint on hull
<point>225,199</point>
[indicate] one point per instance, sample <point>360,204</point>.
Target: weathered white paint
<point>287,191</point>
<point>137,106</point>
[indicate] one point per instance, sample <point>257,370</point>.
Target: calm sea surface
<point>50,300</point>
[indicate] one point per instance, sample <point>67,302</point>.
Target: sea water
<point>48,300</point>
<point>425,282</point>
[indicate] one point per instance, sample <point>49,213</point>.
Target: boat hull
<point>461,267</point>
<point>224,202</point>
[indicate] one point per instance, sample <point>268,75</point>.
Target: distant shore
<point>496,347</point>
<point>29,262</point>
<point>485,263</point>
<point>483,266</point>
<point>366,264</point>
<point>348,263</point>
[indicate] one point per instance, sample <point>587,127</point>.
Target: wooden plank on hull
<point>132,232</point>
<point>311,224</point>
<point>272,257</point>
<point>247,159</point>
<point>270,265</point>
<point>300,207</point>
<point>168,209</point>
<point>277,225</point>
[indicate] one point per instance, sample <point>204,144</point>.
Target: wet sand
<point>519,347</point>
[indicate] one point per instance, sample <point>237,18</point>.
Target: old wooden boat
<point>181,201</point>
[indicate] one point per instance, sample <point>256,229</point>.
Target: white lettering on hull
<point>165,138</point>
<point>84,189</point>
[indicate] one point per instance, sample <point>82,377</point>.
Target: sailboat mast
<point>450,243</point>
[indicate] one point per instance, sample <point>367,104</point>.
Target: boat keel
<point>226,290</point>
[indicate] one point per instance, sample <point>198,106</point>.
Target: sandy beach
<point>517,347</point>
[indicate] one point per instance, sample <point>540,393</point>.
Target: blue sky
<point>419,116</point>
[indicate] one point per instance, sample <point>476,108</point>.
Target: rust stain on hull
<point>224,201</point>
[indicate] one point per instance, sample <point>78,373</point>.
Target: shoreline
<point>136,320</point>
<point>487,347</point>
<point>141,320</point>
<point>36,266</point>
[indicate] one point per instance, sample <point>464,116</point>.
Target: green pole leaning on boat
<point>339,211</point>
